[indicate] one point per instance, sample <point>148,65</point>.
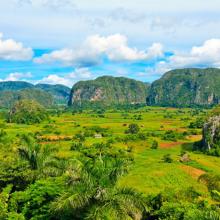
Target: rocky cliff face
<point>211,133</point>
<point>109,90</point>
<point>186,88</point>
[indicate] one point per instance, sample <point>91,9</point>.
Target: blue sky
<point>53,41</point>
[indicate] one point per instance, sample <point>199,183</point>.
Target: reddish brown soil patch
<point>194,172</point>
<point>170,144</point>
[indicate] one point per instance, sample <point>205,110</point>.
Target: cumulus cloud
<point>17,76</point>
<point>115,47</point>
<point>12,50</point>
<point>55,79</point>
<point>68,79</point>
<point>205,55</point>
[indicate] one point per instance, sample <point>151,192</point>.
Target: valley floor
<point>149,174</point>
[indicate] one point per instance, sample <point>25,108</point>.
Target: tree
<point>39,158</point>
<point>4,197</point>
<point>27,112</point>
<point>132,129</point>
<point>167,158</point>
<point>34,201</point>
<point>92,192</point>
<point>154,145</point>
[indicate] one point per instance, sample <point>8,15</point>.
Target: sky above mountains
<point>54,41</point>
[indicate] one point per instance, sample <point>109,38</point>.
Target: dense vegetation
<point>46,95</point>
<point>109,90</point>
<point>109,156</point>
<point>8,98</point>
<point>109,164</point>
<point>186,88</point>
<point>60,93</point>
<point>27,112</point>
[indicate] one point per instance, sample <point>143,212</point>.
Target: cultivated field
<point>148,174</point>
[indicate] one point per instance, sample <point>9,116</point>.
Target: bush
<point>167,158</point>
<point>76,146</point>
<point>174,136</point>
<point>215,195</point>
<point>132,129</point>
<point>91,131</point>
<point>138,117</point>
<point>154,145</point>
<point>198,123</point>
<point>81,137</point>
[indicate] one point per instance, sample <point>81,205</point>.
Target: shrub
<point>80,136</point>
<point>132,129</point>
<point>138,117</point>
<point>174,136</point>
<point>167,158</point>
<point>198,123</point>
<point>91,131</point>
<point>76,146</point>
<point>154,145</point>
<point>215,195</point>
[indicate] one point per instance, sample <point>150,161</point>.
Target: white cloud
<point>68,79</point>
<point>82,73</point>
<point>206,55</point>
<point>17,76</point>
<point>115,47</point>
<point>12,50</point>
<point>55,79</point>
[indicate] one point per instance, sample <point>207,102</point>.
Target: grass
<point>149,174</point>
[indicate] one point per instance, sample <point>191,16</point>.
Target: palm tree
<point>92,192</point>
<point>39,158</point>
<point>29,151</point>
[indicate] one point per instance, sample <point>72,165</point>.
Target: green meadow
<point>149,174</point>
<point>149,143</point>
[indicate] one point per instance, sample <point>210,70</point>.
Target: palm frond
<point>132,201</point>
<point>69,202</point>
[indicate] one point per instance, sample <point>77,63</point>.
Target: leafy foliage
<point>132,129</point>
<point>186,88</point>
<point>27,112</point>
<point>107,90</point>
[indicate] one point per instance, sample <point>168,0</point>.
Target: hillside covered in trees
<point>186,88</point>
<point>109,90</point>
<point>45,94</point>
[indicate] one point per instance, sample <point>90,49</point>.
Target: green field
<point>148,174</point>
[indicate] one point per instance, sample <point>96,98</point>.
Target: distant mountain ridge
<point>46,94</point>
<point>59,92</point>
<point>188,87</point>
<point>109,90</point>
<point>15,85</point>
